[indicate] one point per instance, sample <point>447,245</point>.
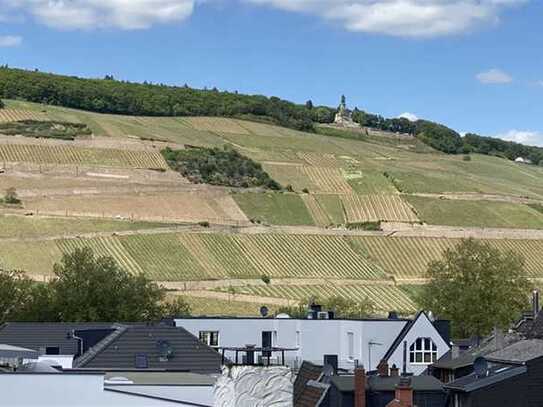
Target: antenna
<point>480,367</point>
<point>264,311</point>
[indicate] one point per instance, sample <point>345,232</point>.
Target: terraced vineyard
<point>68,155</point>
<point>15,115</point>
<point>328,180</point>
<point>373,208</point>
<point>216,124</point>
<point>203,256</point>
<point>385,297</point>
<point>408,257</point>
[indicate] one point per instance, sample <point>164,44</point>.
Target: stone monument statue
<point>344,117</point>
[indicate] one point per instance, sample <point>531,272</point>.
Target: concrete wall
<point>66,390</point>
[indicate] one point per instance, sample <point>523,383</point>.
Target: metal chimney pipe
<point>535,303</point>
<point>404,367</point>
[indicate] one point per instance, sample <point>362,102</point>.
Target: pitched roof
<point>519,352</point>
<point>312,394</point>
<point>38,335</point>
<point>308,371</point>
<point>447,362</point>
<point>388,383</point>
<point>119,349</point>
<point>473,382</point>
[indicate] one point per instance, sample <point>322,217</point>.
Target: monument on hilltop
<point>344,117</point>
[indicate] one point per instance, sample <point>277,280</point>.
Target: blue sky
<point>475,65</point>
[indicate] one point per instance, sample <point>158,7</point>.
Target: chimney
<point>404,392</point>
<point>394,371</point>
<point>535,303</point>
<point>455,351</point>
<point>382,368</point>
<point>359,387</point>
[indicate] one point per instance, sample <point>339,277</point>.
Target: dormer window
<point>423,351</point>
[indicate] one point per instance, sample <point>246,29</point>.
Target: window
<point>210,338</point>
<point>350,342</point>
<point>423,351</point>
<point>52,350</point>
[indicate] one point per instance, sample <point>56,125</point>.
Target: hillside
<point>359,214</point>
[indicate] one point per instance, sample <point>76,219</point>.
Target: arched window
<point>423,351</point>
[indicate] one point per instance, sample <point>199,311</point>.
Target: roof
<point>37,335</point>
<point>119,350</point>
<point>115,346</point>
<point>536,327</point>
<point>447,362</point>
<point>312,394</point>
<point>163,378</point>
<point>226,317</point>
<point>308,371</point>
<point>519,352</point>
<point>473,382</point>
<point>388,383</point>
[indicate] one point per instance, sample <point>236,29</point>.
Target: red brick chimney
<point>382,368</point>
<point>359,387</point>
<point>394,371</point>
<point>404,392</point>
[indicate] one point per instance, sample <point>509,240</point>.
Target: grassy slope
<point>275,209</point>
<point>30,227</point>
<point>476,213</point>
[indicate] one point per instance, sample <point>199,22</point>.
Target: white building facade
<point>366,342</point>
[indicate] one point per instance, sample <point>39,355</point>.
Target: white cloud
<point>409,116</point>
<point>531,138</point>
<point>88,14</point>
<point>10,41</point>
<point>494,76</point>
<point>406,18</point>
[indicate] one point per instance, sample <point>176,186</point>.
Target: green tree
<point>177,307</point>
<point>15,289</point>
<point>477,287</point>
<point>350,309</point>
<point>2,104</point>
<point>90,288</point>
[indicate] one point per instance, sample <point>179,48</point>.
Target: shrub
<point>266,279</point>
<point>305,191</point>
<point>11,197</point>
<point>204,224</point>
<point>466,157</point>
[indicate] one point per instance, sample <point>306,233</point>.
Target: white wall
<point>317,337</point>
<point>192,394</point>
<point>66,390</point>
<point>422,328</point>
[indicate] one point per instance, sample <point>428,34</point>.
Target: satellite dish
<point>480,366</point>
<point>264,311</point>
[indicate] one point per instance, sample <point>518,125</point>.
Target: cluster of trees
<point>119,97</point>
<point>477,287</point>
<point>86,288</point>
<point>2,104</point>
<point>217,166</point>
<point>501,148</point>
